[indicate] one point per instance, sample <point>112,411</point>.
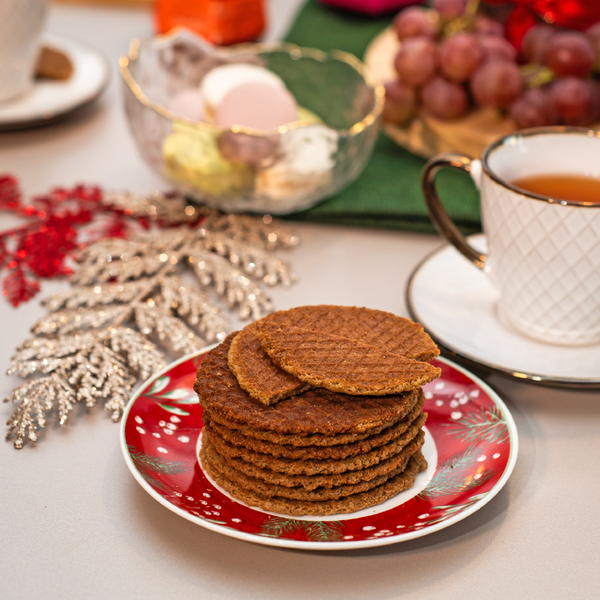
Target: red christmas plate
<point>471,447</point>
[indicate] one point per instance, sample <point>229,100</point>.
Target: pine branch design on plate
<point>134,300</point>
<point>147,465</point>
<point>168,399</point>
<point>316,531</point>
<point>447,511</point>
<point>155,464</point>
<point>484,425</point>
<point>454,475</point>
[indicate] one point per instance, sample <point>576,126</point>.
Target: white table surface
<point>75,524</point>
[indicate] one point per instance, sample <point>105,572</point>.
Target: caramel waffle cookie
<point>270,489</point>
<point>299,484</point>
<point>375,327</point>
<point>315,412</point>
<point>348,504</point>
<point>329,466</point>
<point>332,473</point>
<point>340,364</point>
<point>295,452</point>
<point>316,439</point>
<point>255,371</point>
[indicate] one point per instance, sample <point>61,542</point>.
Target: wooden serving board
<point>425,135</point>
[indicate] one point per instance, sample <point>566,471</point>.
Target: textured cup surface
<point>544,253</point>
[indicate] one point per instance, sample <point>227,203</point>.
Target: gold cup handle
<point>442,221</point>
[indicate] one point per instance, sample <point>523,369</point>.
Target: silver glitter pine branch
<point>128,300</point>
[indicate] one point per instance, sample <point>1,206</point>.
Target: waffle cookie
<point>400,482</point>
<point>255,371</point>
<point>279,440</point>
<point>316,466</point>
<point>316,412</point>
<point>268,383</point>
<point>323,487</point>
<point>340,364</point>
<point>307,453</point>
<point>376,327</point>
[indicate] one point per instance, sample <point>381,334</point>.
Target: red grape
<point>486,26</point>
<point>494,47</point>
<point>400,103</point>
<point>415,21</point>
<point>416,61</point>
<point>460,55</point>
<point>573,101</point>
<point>594,34</point>
<point>449,9</point>
<point>533,109</point>
<point>444,99</point>
<point>535,43</point>
<point>570,53</point>
<point>497,83</point>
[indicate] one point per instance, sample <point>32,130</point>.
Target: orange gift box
<point>221,22</point>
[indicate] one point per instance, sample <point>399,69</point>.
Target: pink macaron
<point>188,103</point>
<point>257,105</point>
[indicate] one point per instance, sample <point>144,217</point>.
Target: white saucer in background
<point>50,100</point>
<point>456,304</point>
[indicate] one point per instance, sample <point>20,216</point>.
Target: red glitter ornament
<point>570,14</point>
<point>41,248</point>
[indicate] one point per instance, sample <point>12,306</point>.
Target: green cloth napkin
<point>388,192</point>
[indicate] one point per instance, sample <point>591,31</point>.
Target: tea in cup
<point>540,209</point>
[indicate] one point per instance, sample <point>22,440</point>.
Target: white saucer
<point>456,304</point>
<point>50,100</point>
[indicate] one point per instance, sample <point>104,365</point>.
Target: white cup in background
<point>21,23</point>
<point>543,253</point>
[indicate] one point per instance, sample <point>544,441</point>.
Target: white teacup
<point>543,253</point>
<point>21,23</point>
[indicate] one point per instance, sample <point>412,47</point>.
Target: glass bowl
<point>240,169</point>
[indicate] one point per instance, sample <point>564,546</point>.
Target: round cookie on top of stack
<point>317,410</point>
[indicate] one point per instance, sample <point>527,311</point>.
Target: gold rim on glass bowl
<point>238,168</point>
<point>262,48</point>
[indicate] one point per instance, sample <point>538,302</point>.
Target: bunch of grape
<point>550,82</point>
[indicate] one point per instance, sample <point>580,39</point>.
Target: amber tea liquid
<point>578,188</point>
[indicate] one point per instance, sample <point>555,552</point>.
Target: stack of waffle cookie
<point>317,410</point>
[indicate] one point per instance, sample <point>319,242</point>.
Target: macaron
<point>218,82</point>
<point>257,105</point>
<point>188,103</point>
